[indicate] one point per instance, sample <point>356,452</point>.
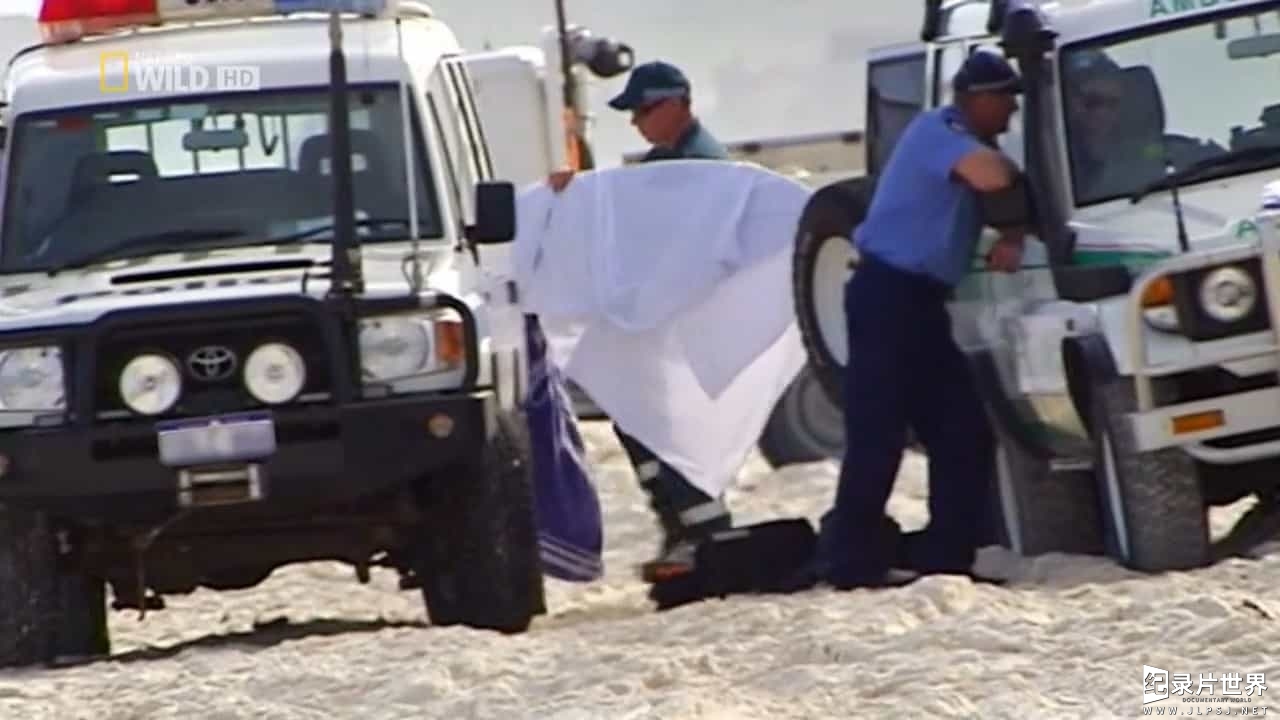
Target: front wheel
<point>1153,508</point>
<point>477,553</point>
<point>47,612</point>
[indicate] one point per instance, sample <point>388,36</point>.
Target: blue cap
<point>650,82</point>
<point>986,71</point>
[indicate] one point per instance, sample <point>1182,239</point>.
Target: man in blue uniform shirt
<point>905,369</point>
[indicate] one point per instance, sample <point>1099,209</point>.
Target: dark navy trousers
<point>905,370</point>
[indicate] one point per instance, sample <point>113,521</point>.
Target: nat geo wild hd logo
<point>1228,687</point>
<point>120,71</point>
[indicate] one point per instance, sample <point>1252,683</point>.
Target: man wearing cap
<point>658,96</point>
<point>915,245</point>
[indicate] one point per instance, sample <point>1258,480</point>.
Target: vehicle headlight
<point>399,346</point>
<point>275,373</point>
<point>1228,294</point>
<point>31,378</point>
<point>150,383</point>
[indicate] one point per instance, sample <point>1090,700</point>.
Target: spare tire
<point>822,262</point>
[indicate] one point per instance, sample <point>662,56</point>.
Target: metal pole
<point>346,277</point>
<point>569,90</point>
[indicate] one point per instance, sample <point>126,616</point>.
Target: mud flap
<point>770,557</point>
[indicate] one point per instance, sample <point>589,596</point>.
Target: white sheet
<point>665,292</point>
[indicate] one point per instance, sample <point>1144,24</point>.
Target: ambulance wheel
<point>822,263</point>
<point>47,612</point>
<point>477,556</point>
<point>805,425</point>
<point>1154,511</point>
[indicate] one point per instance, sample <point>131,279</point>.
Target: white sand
<point>1071,634</point>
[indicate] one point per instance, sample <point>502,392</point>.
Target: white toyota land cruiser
<point>244,314</point>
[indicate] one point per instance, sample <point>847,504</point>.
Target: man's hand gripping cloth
<point>665,292</point>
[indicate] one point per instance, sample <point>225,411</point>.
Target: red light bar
<point>66,20</point>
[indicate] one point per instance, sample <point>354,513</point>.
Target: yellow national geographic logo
<point>109,59</point>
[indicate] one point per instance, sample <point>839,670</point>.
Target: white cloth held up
<point>665,292</point>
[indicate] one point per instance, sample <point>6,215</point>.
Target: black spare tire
<point>823,260</point>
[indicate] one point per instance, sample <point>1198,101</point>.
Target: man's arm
<point>985,170</point>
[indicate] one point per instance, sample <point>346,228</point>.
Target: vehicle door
<point>461,124</point>
<point>1013,318</point>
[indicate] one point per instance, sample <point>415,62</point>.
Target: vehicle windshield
<point>141,178</point>
<point>1187,92</point>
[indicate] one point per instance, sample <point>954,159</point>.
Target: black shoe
<point>770,557</point>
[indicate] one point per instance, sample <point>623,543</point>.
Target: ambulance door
<point>456,110</point>
<point>1017,320</point>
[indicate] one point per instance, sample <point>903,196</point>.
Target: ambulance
<point>1130,367</point>
<point>248,308</point>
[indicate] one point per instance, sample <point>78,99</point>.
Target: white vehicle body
<point>1025,314</point>
<point>172,333</point>
<point>1127,287</point>
<point>506,95</point>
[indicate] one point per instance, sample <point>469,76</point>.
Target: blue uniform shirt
<point>922,219</point>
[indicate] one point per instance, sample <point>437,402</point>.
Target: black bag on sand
<point>770,557</point>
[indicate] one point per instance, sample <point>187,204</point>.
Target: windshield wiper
<point>142,244</point>
<point>1244,156</point>
<point>304,235</point>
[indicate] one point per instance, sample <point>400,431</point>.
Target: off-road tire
<point>833,211</point>
<point>804,427</point>
<point>1153,509</point>
<point>1044,510</point>
<point>47,613</point>
<point>479,561</point>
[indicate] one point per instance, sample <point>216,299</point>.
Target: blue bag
<point>570,526</point>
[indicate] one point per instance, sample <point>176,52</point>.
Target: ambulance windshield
<point>1187,92</point>
<point>127,180</point>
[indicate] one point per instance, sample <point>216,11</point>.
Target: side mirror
<point>495,214</point>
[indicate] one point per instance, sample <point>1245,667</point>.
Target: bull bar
<point>1190,424</point>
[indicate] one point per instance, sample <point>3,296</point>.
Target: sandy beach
<point>1068,635</point>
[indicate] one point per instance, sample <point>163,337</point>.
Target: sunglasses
<point>647,108</point>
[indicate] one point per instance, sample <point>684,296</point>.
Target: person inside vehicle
<point>916,244</point>
<point>1094,93</point>
<point>659,98</point>
<point>1117,142</point>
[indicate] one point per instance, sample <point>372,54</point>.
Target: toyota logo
<point>212,363</point>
